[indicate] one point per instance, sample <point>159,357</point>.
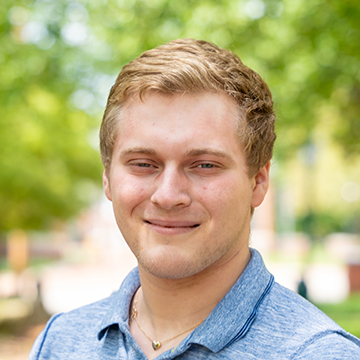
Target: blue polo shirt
<point>256,319</point>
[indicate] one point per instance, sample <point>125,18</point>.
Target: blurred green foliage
<point>59,58</point>
<point>319,224</point>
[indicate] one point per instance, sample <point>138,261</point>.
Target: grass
<point>346,313</point>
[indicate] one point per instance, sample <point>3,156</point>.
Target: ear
<point>261,186</point>
<point>106,184</point>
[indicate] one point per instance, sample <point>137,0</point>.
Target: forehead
<point>186,121</point>
<point>206,107</point>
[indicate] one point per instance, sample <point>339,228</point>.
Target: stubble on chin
<point>173,265</point>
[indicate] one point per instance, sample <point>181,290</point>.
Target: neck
<point>168,306</point>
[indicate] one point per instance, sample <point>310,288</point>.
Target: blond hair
<point>195,66</point>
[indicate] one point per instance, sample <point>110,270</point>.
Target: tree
<point>59,59</point>
<point>48,165</point>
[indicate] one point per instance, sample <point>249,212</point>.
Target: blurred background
<point>59,245</point>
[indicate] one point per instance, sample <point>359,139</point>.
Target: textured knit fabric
<point>256,319</point>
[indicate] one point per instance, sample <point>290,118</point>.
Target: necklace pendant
<point>156,345</point>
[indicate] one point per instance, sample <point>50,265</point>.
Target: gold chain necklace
<point>155,344</point>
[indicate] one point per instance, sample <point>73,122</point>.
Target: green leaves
<point>58,60</point>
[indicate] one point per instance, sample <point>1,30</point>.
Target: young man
<point>186,142</point>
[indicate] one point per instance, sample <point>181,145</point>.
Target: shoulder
<point>63,331</point>
<point>77,334</point>
<point>297,326</point>
<point>330,345</point>
<point>285,306</point>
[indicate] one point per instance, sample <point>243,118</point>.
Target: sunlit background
<point>59,245</point>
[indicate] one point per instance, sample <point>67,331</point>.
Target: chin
<point>172,274</point>
<point>170,266</point>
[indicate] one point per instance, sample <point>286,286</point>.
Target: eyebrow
<point>190,153</point>
<point>207,151</point>
<point>138,150</point>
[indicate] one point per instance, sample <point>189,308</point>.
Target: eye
<point>141,163</point>
<point>206,166</point>
<point>141,166</point>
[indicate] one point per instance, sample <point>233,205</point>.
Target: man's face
<point>179,185</point>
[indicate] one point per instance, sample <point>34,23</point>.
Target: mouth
<point>173,224</point>
<point>171,228</point>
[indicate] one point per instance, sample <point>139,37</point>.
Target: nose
<point>172,189</point>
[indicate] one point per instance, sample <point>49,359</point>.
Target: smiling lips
<point>171,227</point>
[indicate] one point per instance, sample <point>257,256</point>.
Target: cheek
<point>226,199</point>
<point>216,197</point>
<point>129,193</point>
<point>230,188</point>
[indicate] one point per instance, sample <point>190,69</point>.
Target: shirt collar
<point>232,317</point>
<point>118,312</point>
<point>229,321</point>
